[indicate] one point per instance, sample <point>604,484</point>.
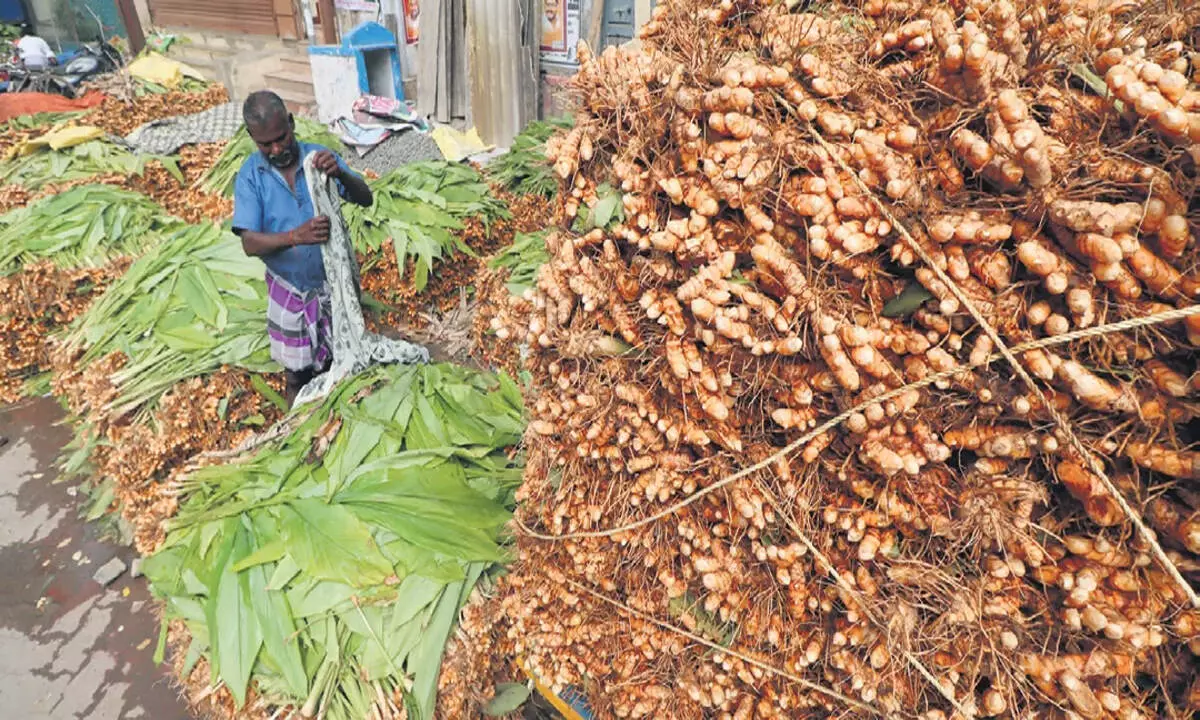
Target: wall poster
<point>412,13</point>
<point>560,30</point>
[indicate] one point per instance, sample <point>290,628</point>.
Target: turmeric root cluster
<point>33,303</point>
<point>141,453</point>
<point>819,217</point>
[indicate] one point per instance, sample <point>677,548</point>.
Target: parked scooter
<point>65,79</point>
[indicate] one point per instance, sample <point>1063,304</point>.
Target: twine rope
<point>1097,331</point>
<point>858,597</point>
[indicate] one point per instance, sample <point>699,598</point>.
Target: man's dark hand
<point>313,232</point>
<point>325,162</point>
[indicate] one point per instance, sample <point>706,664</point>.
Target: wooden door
<point>289,22</point>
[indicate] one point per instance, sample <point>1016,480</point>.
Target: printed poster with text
<point>560,30</point>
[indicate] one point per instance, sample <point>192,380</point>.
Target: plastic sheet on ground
<point>162,70</point>
<point>455,145</point>
<point>375,119</point>
<point>67,137</point>
<point>28,103</point>
<point>376,109</point>
<point>160,42</point>
<point>56,139</point>
<point>363,138</point>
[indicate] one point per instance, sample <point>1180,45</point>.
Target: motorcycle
<point>90,60</point>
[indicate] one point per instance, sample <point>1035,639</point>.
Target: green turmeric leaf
<point>330,543</point>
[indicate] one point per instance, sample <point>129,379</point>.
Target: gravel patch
<point>407,147</point>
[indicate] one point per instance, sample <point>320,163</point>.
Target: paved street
<point>69,648</point>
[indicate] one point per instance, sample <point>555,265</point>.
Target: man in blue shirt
<point>273,214</point>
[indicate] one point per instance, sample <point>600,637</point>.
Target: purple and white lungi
<point>298,325</point>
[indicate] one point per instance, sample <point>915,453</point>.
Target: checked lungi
<point>298,325</point>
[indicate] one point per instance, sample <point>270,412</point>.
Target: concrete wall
<point>555,100</point>
<point>64,23</point>
<point>50,24</point>
<point>394,10</point>
<point>554,96</point>
<point>335,83</point>
<point>241,62</point>
<point>106,10</point>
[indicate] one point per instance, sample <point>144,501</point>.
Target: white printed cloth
<point>354,349</point>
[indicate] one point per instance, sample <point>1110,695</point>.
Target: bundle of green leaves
<point>41,119</point>
<point>94,157</point>
<point>220,177</point>
<point>326,569</point>
<point>524,169</point>
<point>420,208</point>
<point>523,258</point>
<point>144,87</point>
<point>462,188</point>
<point>87,226</point>
<point>190,305</point>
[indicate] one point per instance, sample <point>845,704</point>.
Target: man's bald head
<point>271,127</point>
<point>262,109</point>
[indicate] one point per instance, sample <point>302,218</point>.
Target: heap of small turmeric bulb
<point>823,209</point>
<point>142,454</point>
<point>531,213</point>
<point>33,304</point>
<point>121,116</point>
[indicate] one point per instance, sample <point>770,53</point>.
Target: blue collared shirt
<point>263,202</point>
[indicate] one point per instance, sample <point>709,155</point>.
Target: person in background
<point>34,52</point>
<point>273,214</point>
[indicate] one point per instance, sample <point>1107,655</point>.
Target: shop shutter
<point>252,17</point>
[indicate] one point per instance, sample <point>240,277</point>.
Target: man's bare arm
<point>357,190</point>
<point>258,244</point>
<point>313,232</point>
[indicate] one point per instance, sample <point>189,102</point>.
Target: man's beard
<point>285,158</point>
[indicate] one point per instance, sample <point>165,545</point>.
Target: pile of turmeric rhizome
<point>876,393</point>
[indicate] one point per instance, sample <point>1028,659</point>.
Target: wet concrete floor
<point>69,648</point>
